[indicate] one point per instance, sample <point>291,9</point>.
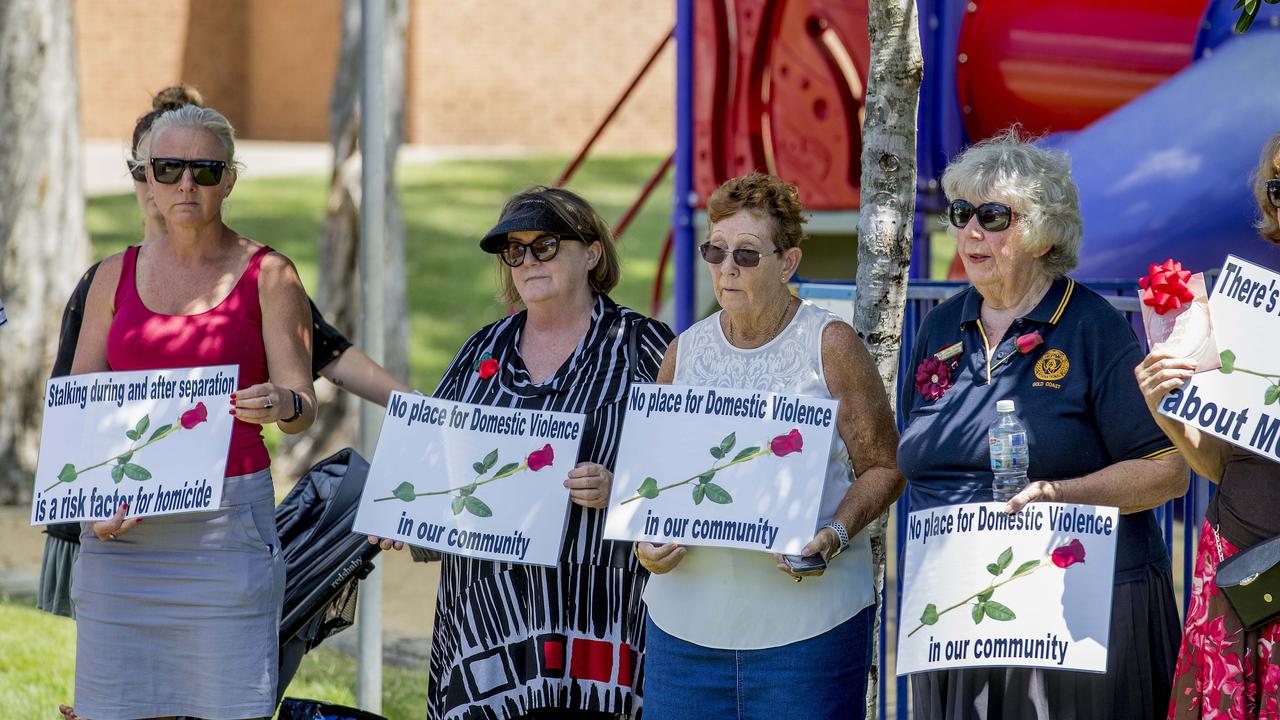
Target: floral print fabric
<point>1224,672</point>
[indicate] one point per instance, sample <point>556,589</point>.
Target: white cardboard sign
<point>473,480</point>
<point>1240,401</point>
<point>986,589</point>
<point>721,467</point>
<point>154,439</point>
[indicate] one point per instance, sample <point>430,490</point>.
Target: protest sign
<point>1240,401</point>
<point>155,439</point>
<point>986,589</point>
<point>473,480</point>
<point>720,466</point>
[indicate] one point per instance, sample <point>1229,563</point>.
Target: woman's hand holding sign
<point>115,526</point>
<point>659,559</point>
<point>589,485</point>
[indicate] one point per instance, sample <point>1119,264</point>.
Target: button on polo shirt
<point>1075,393</point>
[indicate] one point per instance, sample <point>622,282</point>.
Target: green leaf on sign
<point>507,469</point>
<point>648,489</point>
<point>160,432</point>
<point>727,443</point>
<point>706,477</point>
<point>978,612</point>
<point>993,568</point>
<point>985,595</point>
<point>478,467</point>
<point>1027,566</point>
<point>117,473</point>
<point>142,425</point>
<point>1228,359</point>
<point>930,614</point>
<point>466,490</point>
<point>124,458</point>
<point>476,506</point>
<point>490,460</point>
<point>996,611</point>
<point>404,491</point>
<point>136,472</point>
<point>717,494</point>
<point>1272,395</point>
<point>746,452</point>
<point>699,492</point>
<point>1006,557</point>
<point>67,474</point>
<point>131,434</point>
<point>717,453</point>
<point>458,504</point>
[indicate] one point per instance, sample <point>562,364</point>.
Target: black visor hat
<point>532,214</point>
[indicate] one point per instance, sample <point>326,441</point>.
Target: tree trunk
<point>885,223</point>
<point>43,244</point>
<point>337,293</point>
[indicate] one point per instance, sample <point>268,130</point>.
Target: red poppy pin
<point>486,367</point>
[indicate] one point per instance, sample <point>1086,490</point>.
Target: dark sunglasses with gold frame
<point>1273,192</point>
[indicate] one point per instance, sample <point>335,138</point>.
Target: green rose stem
<point>468,486</point>
<point>1006,581</point>
<point>130,452</point>
<point>763,451</point>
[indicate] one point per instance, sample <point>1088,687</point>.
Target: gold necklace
<point>776,329</point>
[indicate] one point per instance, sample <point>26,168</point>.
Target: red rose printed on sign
<point>983,606</point>
<point>124,466</point>
<point>464,497</point>
<point>704,489</point>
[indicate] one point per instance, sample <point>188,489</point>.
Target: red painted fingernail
<point>232,411</point>
<point>233,396</point>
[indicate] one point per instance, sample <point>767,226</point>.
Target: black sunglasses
<point>742,257</point>
<point>137,170</point>
<point>543,248</point>
<point>992,217</point>
<point>204,172</point>
<point>1273,192</point>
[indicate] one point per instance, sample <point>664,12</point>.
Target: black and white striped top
<point>512,638</point>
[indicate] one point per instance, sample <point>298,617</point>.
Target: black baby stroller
<point>324,559</point>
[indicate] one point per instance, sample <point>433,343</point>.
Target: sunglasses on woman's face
<point>543,248</point>
<point>992,217</point>
<point>742,257</point>
<point>205,172</point>
<point>1273,192</point>
<point>137,170</point>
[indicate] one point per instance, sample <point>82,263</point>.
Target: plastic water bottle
<point>1009,453</point>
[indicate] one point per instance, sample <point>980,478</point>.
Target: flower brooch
<point>486,367</point>
<point>934,374</point>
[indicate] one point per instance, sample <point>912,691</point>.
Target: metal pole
<point>373,222</point>
<point>684,200</point>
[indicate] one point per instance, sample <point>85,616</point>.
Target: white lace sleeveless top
<point>738,599</point>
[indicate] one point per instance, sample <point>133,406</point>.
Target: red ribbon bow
<point>1165,287</point>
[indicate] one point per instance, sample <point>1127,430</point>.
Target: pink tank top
<point>227,334</point>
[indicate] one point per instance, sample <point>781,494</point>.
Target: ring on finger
<point>268,404</point>
<point>111,536</point>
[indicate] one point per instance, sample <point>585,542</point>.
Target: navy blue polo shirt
<point>1075,393</point>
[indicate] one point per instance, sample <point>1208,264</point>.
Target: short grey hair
<point>207,119</point>
<point>1035,182</point>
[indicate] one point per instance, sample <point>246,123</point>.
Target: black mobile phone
<point>805,565</point>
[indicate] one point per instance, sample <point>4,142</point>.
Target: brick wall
<point>536,74</point>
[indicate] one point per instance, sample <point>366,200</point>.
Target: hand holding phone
<point>806,564</point>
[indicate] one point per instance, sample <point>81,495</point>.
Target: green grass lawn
<point>447,207</point>
<point>38,658</point>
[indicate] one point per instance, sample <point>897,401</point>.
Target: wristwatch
<point>841,533</point>
<point>297,410</point>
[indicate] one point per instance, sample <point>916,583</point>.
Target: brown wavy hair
<point>767,196</point>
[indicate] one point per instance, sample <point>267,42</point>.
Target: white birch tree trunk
<point>43,244</point>
<point>885,224</point>
<point>337,293</point>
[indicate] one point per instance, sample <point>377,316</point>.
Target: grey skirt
<point>1145,633</point>
<point>180,615</point>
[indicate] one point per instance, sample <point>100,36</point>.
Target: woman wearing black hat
<point>566,641</point>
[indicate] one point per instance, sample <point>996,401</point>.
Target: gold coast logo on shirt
<point>1052,366</point>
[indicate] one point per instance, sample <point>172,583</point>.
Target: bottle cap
<point>1004,406</point>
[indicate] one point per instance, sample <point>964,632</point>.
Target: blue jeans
<point>822,678</point>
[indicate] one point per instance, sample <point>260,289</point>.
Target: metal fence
<point>923,296</point>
